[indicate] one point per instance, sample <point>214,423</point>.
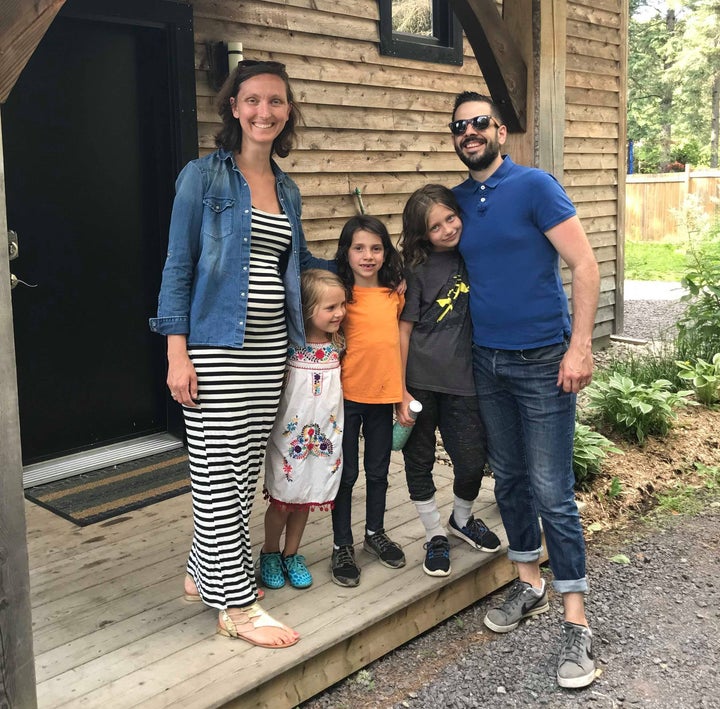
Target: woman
<point>230,296</point>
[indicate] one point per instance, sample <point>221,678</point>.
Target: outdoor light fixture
<point>221,58</point>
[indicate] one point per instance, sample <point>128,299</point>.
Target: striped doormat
<point>101,494</point>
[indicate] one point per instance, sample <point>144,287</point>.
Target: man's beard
<point>482,161</point>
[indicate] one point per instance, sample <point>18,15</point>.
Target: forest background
<point>673,84</point>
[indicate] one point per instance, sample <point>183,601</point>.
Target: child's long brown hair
<point>414,243</point>
<point>390,273</point>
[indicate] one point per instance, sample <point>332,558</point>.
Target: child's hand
<point>402,412</point>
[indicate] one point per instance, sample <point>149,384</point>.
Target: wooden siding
<point>371,122</point>
<point>595,138</point>
<point>378,123</point>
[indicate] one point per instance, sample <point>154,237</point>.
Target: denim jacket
<point>205,280</point>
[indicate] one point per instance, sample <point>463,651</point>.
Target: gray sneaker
<point>522,602</point>
<point>576,664</point>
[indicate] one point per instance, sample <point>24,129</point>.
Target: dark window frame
<point>445,47</point>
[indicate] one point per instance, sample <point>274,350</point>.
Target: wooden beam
<point>17,680</point>
<point>621,174</point>
<point>23,26</point>
<point>551,80</point>
<point>501,63</point>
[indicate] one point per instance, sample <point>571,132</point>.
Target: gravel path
<point>654,606</point>
<point>651,309</point>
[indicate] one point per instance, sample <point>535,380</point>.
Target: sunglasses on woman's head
<point>478,123</point>
<point>247,63</point>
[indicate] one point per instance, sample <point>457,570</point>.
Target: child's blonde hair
<point>314,283</point>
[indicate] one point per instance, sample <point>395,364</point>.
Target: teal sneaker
<point>296,571</point>
<point>271,570</point>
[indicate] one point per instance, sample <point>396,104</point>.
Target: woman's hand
<point>182,378</point>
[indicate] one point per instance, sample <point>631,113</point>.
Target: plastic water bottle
<point>402,433</point>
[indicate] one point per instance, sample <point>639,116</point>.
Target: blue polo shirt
<point>517,300</point>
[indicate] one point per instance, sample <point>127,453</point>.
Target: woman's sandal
<point>252,618</point>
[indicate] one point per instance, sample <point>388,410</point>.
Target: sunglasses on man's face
<point>478,123</point>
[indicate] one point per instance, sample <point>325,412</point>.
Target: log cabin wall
<point>595,111</point>
<point>378,124</point>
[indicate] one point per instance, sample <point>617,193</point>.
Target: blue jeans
<point>376,421</point>
<point>530,423</point>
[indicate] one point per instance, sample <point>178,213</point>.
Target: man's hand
<point>576,369</point>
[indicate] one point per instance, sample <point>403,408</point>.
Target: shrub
<point>591,449</point>
<point>705,378</point>
<point>635,410</point>
<point>699,329</point>
<point>647,365</point>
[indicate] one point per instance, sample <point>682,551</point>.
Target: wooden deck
<point>111,628</point>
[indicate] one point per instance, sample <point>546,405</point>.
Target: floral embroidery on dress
<point>317,383</point>
<point>314,353</point>
<point>310,441</point>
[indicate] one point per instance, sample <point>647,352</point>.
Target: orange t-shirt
<point>372,367</point>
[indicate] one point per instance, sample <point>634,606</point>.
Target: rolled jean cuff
<point>572,586</point>
<point>525,556</point>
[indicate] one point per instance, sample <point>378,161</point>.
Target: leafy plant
<point>635,410</point>
<point>699,329</point>
<point>615,489</point>
<point>647,365</point>
<point>705,378</point>
<point>589,452</point>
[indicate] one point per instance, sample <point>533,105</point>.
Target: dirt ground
<point>657,467</point>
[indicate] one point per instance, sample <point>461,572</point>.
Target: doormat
<point>102,494</point>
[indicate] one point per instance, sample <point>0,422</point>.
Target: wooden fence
<point>654,203</point>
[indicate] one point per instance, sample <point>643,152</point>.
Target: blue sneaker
<point>476,534</point>
<point>296,571</point>
<point>271,570</point>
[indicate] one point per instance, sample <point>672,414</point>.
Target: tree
<point>674,82</point>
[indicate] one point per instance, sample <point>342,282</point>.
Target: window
<point>420,29</point>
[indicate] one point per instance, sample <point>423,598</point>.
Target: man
<point>529,363</point>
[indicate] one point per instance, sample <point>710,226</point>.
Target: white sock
<point>462,511</point>
<point>430,517</point>
<point>540,590</point>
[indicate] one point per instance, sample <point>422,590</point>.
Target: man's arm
<point>572,244</point>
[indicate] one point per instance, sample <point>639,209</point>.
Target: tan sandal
<point>252,618</point>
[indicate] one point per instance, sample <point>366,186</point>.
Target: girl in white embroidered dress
<point>303,461</point>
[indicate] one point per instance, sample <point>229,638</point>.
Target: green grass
<point>654,261</point>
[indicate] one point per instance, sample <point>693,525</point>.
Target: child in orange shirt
<point>371,269</point>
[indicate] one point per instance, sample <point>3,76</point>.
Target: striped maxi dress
<point>239,391</point>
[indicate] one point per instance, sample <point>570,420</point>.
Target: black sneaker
<point>389,553</point>
<point>476,534</point>
<point>345,572</point>
<point>522,602</point>
<point>437,557</point>
<point>576,664</point>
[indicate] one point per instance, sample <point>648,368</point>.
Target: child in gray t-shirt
<point>436,346</point>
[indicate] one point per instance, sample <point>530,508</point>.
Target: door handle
<point>13,245</point>
<point>13,253</point>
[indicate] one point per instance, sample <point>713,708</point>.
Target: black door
<point>92,146</point>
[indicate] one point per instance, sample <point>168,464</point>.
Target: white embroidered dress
<point>303,461</point>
